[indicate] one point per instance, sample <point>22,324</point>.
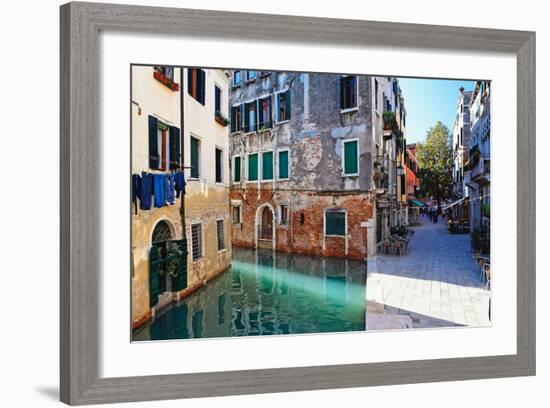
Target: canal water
<point>268,293</point>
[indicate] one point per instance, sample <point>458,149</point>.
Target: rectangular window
<point>161,143</point>
<point>196,240</point>
<point>250,75</point>
<point>283,106</point>
<point>267,166</point>
<point>264,112</point>
<point>196,84</point>
<point>250,116</point>
<point>164,145</point>
<point>283,214</point>
<point>236,214</point>
<point>237,169</point>
<point>236,118</point>
<point>237,78</point>
<point>219,165</point>
<point>217,99</point>
<point>283,164</point>
<point>351,157</point>
<point>348,92</point>
<point>335,223</point>
<point>220,234</point>
<point>253,167</point>
<point>195,157</point>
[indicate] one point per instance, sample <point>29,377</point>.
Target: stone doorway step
<point>378,319</point>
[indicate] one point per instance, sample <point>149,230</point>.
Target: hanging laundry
<point>136,190</point>
<point>146,191</point>
<point>180,183</point>
<point>159,190</point>
<point>170,185</point>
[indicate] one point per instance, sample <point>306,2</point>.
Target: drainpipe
<point>182,139</point>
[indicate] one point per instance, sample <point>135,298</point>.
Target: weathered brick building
<point>302,148</point>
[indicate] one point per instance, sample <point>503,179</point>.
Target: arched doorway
<point>265,227</point>
<point>161,241</point>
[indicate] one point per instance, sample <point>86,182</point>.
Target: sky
<point>430,100</point>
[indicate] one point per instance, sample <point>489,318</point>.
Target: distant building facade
<point>461,155</point>
<point>478,178</point>
<point>389,122</point>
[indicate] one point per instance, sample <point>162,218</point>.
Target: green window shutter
<point>154,158</point>
<point>287,101</point>
<point>234,118</point>
<point>335,223</point>
<point>283,165</point>
<point>194,158</point>
<point>179,281</point>
<point>253,167</point>
<point>154,258</point>
<point>218,160</point>
<point>202,86</point>
<point>351,159</point>
<point>237,169</point>
<point>267,166</point>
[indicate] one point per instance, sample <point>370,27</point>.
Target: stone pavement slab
<point>436,284</point>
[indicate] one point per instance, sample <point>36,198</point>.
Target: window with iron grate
<point>196,238</point>
<point>220,234</point>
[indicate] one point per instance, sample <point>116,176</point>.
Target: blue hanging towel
<point>170,184</point>
<point>180,183</point>
<point>159,190</point>
<point>146,191</point>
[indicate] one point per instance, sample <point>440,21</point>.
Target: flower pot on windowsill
<point>221,119</point>
<point>166,81</point>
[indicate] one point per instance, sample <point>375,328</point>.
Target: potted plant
<point>222,120</point>
<point>389,120</point>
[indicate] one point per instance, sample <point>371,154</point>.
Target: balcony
<point>390,125</point>
<point>481,173</point>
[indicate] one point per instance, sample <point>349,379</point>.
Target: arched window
<point>161,242</point>
<point>161,233</point>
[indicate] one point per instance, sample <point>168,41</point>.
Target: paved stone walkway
<point>435,285</point>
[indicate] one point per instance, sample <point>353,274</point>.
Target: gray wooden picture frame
<point>81,24</point>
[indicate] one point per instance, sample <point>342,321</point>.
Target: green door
<point>154,261</point>
<point>179,280</point>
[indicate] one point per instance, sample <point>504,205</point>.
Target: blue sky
<point>430,100</point>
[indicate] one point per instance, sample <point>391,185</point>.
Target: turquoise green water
<point>269,293</point>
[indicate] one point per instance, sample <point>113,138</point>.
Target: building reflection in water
<point>267,293</point>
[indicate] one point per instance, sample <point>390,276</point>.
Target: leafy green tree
<point>435,157</point>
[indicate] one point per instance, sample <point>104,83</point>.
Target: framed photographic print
<point>235,223</point>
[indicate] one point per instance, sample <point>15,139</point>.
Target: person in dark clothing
<point>136,190</point>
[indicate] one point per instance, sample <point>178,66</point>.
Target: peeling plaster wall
<point>314,138</point>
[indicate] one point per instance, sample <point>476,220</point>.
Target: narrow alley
<point>436,284</point>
